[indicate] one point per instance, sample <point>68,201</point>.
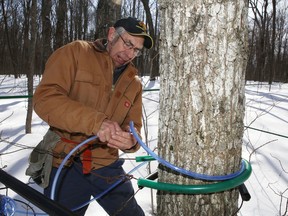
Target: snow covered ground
<point>265,146</point>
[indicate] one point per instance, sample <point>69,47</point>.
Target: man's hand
<point>115,137</point>
<point>107,129</point>
<point>122,140</point>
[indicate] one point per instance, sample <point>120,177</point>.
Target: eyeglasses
<point>128,45</point>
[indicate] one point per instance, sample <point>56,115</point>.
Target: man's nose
<point>131,53</point>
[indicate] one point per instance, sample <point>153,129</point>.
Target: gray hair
<point>120,30</point>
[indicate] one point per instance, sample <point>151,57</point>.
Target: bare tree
<point>26,5</point>
<point>267,41</point>
<point>273,41</point>
<point>261,20</point>
<point>281,62</point>
<point>107,13</point>
<point>61,12</point>
<point>153,60</point>
<point>8,39</point>
<point>203,53</point>
<point>46,33</point>
<point>31,64</point>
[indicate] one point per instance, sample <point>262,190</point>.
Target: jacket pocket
<point>87,88</point>
<point>87,77</point>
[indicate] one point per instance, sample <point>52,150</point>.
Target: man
<point>91,88</point>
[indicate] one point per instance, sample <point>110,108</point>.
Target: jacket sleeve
<point>51,101</point>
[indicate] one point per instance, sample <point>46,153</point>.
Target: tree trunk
<point>273,41</point>
<point>31,65</point>
<point>107,14</point>
<point>261,40</point>
<point>46,33</point>
<point>61,12</point>
<point>13,60</point>
<point>153,61</point>
<point>203,52</point>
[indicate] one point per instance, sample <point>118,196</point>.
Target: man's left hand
<point>122,140</point>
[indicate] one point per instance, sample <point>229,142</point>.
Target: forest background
<point>31,30</point>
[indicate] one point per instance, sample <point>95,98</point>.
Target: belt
<point>86,153</point>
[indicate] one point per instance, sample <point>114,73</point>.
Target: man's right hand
<point>107,130</point>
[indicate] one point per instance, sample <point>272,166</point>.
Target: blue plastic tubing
<point>52,196</point>
<point>181,170</point>
<point>64,162</point>
<point>110,188</point>
<point>160,160</point>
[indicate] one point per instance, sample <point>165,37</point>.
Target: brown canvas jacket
<point>76,94</point>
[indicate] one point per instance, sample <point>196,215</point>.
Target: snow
<point>266,110</point>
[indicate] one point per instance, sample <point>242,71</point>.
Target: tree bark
<point>13,60</point>
<point>61,13</point>
<point>203,53</point>
<point>46,33</point>
<point>107,14</point>
<point>273,41</point>
<point>31,65</point>
<point>153,60</point>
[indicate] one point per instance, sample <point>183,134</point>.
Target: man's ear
<point>111,34</point>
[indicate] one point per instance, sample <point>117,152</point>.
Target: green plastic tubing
<point>16,96</point>
<point>199,189</point>
<point>144,158</point>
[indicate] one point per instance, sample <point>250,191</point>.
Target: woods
<point>200,52</point>
<point>268,41</point>
<point>60,22</point>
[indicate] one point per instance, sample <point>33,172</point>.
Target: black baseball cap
<point>135,27</point>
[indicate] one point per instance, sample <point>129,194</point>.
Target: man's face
<point>123,48</point>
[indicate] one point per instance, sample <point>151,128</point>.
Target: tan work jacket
<point>76,94</point>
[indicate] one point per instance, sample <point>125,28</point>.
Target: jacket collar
<point>100,45</point>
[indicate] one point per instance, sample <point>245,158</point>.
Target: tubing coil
<point>200,188</point>
<point>115,184</point>
<point>52,196</point>
<point>181,170</point>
